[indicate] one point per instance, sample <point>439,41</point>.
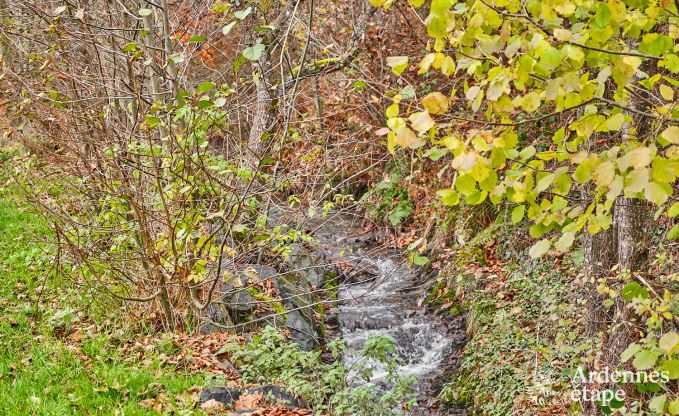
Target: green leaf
<point>672,368</point>
<point>673,408</point>
<point>671,134</point>
<point>671,62</point>
<point>145,12</point>
<point>538,249</point>
<point>238,62</point>
<point>242,14</point>
<point>465,184</point>
<point>204,87</point>
<point>264,28</point>
<point>603,16</point>
<point>517,213</point>
<point>634,290</point>
<point>629,352</point>
<point>436,153</point>
<point>551,58</point>
<point>420,260</point>
<point>657,404</point>
<point>565,242</point>
<point>669,343</point>
<point>226,29</point>
<point>673,211</point>
<point>131,47</point>
<point>197,39</point>
<point>673,233</point>
<point>177,58</point>
<point>254,52</point>
<point>645,360</point>
<point>152,121</point>
<point>398,64</point>
<point>449,197</point>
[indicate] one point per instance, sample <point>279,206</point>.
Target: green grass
<point>43,371</point>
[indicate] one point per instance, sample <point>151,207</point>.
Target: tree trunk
<point>633,220</point>
<point>600,255</point>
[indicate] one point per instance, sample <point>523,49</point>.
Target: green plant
<point>389,200</point>
<point>42,371</point>
<point>326,387</point>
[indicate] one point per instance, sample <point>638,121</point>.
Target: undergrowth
<point>56,359</point>
<point>327,387</point>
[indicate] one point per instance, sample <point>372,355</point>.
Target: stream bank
<point>380,294</point>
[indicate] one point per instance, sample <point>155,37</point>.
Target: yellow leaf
<point>435,103</point>
<point>405,137</point>
<point>448,66</point>
<point>377,3</point>
<point>392,111</point>
<point>604,174</point>
<point>563,35</point>
<point>615,122</point>
<point>666,92</point>
<point>421,121</point>
<point>671,134</point>
<point>398,64</point>
<point>669,342</point>
<point>637,158</point>
<point>426,63</point>
<point>657,192</point>
<point>636,181</point>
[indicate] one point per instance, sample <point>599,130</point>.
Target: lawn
<point>58,359</point>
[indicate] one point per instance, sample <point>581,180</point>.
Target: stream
<point>380,294</point>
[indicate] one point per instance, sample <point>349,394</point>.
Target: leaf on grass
<point>539,248</point>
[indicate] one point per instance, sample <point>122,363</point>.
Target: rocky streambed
<point>380,294</point>
<point>375,292</point>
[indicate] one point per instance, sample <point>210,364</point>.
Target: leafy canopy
<point>598,76</point>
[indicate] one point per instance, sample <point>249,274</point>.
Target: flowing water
<point>381,295</point>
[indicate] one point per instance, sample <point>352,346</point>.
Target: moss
<point>321,313</point>
<point>331,284</point>
<point>276,305</point>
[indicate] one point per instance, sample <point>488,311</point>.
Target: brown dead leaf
<point>212,405</point>
<point>249,401</point>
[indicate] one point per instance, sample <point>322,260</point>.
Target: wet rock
<point>228,396</point>
<point>302,331</point>
<point>298,299</point>
<point>308,264</point>
<point>225,395</point>
<point>233,301</point>
<point>227,364</point>
<point>277,394</point>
